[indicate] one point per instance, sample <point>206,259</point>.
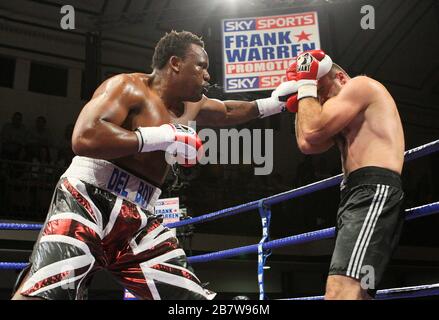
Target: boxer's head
<point>182,56</point>
<point>330,85</point>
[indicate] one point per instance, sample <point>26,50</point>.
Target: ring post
<point>263,254</point>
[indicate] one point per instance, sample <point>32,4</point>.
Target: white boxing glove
<point>276,103</point>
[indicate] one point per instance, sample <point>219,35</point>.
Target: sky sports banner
<point>257,51</point>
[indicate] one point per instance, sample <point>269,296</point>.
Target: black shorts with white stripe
<point>369,224</point>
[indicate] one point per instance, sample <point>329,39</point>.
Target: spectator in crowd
<point>13,138</point>
<point>38,137</point>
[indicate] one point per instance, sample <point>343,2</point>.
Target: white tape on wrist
<point>155,138</point>
<point>268,107</point>
<point>307,91</point>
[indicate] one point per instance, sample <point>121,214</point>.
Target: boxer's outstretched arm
<point>98,132</point>
<point>318,124</point>
<point>216,113</point>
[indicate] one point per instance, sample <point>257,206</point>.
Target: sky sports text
<point>289,21</point>
<point>254,83</point>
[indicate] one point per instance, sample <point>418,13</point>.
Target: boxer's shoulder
<point>365,83</point>
<point>361,81</point>
<point>127,85</point>
<point>361,86</point>
<point>139,77</point>
<point>127,80</point>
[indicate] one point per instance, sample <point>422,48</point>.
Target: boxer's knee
<point>21,279</point>
<point>344,288</point>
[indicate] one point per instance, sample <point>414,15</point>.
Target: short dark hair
<point>335,69</point>
<point>173,44</point>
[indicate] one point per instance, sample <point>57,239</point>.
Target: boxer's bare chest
<point>152,166</point>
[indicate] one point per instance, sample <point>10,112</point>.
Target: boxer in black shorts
<point>369,223</point>
<point>125,138</point>
<point>361,117</point>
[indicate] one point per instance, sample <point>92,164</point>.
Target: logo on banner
<point>243,83</point>
<point>258,51</point>
<point>169,210</point>
<point>241,25</point>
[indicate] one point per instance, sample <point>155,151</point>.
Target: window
<point>48,79</point>
<point>7,71</point>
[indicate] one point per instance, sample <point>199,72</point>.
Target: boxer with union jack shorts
<point>101,218</point>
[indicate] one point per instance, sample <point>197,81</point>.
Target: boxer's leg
<point>344,288</point>
<point>368,229</point>
<point>64,254</point>
<point>154,266</point>
<point>22,277</point>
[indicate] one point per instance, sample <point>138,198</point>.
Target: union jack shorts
<point>88,229</point>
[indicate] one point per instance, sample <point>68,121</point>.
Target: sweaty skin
<point>105,126</point>
<point>360,116</point>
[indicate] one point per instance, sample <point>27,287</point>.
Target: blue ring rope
<point>397,293</point>
<point>411,214</point>
<point>13,265</point>
<point>288,195</point>
<point>410,155</point>
<point>20,226</point>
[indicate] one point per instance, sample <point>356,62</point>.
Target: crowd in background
<point>36,144</point>
<point>31,161</point>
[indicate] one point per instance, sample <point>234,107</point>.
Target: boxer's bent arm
<point>98,132</point>
<point>216,113</point>
<point>319,123</point>
<point>311,149</point>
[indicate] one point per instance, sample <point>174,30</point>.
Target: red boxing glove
<point>188,145</point>
<point>181,143</point>
<point>292,104</point>
<point>322,65</point>
<point>292,73</point>
<point>311,66</point>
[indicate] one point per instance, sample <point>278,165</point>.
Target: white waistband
<point>109,177</point>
